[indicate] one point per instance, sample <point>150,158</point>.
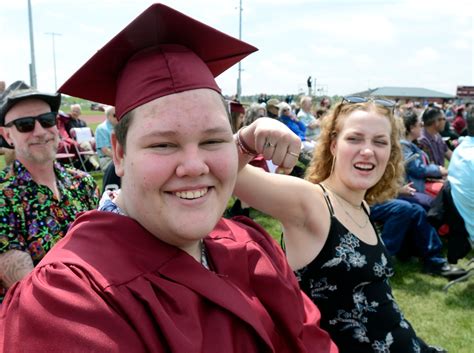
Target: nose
<point>192,164</point>
<point>367,150</point>
<point>39,130</point>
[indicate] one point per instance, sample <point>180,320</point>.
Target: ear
<point>118,155</point>
<point>332,146</point>
<point>6,135</point>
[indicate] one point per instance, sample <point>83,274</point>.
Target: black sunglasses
<point>27,124</point>
<point>383,102</point>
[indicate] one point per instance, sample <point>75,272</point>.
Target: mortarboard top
<point>161,52</point>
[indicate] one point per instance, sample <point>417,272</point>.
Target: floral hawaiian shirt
<point>32,219</point>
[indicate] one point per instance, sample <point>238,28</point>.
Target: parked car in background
<point>97,107</point>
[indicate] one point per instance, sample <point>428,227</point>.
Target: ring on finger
<point>269,144</point>
<point>294,154</point>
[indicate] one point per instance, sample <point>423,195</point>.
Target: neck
<point>410,137</point>
<point>431,130</point>
<point>354,198</point>
<point>195,250</point>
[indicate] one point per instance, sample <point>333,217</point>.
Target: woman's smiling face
<point>362,149</point>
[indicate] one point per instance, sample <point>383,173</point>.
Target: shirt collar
<point>22,174</point>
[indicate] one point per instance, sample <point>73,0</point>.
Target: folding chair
<point>83,134</point>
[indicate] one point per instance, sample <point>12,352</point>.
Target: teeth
<point>190,195</point>
<point>364,166</point>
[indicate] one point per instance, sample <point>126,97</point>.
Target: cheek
<point>145,172</point>
<point>224,166</point>
<point>384,155</point>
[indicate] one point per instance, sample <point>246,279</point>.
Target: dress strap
<point>328,200</point>
<point>363,204</point>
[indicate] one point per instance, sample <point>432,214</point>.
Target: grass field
<point>444,319</point>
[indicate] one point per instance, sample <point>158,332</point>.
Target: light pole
<point>53,34</point>
<point>32,48</point>
<point>239,84</point>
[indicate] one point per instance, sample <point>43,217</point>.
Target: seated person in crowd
<point>164,272</point>
<point>461,175</point>
<point>418,169</point>
<point>74,121</point>
<point>459,123</point>
<point>287,117</point>
<point>254,112</point>
<point>38,197</point>
<point>102,137</point>
<point>272,108</point>
<point>308,119</point>
<point>430,139</point>
<point>406,232</point>
<point>69,142</point>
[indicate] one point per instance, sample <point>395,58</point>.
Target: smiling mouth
<point>365,167</point>
<point>45,142</point>
<point>191,195</point>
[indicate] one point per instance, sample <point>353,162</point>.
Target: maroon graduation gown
<point>111,286</point>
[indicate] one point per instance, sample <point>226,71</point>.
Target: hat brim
<point>53,100</point>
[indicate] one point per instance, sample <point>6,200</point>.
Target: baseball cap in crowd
<point>161,52</point>
<point>19,91</point>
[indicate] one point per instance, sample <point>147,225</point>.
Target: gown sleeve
<point>61,308</point>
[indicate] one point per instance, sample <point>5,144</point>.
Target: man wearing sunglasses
<point>38,197</point>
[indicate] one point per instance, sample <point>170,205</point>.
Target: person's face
<point>261,113</point>
<point>180,166</point>
<point>362,149</point>
<point>38,146</point>
<point>440,122</point>
<point>75,112</point>
<point>285,112</point>
<point>273,110</point>
<point>306,105</point>
<point>415,130</point>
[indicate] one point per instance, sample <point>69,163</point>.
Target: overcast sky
<point>347,46</point>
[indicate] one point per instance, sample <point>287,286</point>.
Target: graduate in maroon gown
<point>159,270</point>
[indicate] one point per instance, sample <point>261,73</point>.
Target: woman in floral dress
<point>340,260</point>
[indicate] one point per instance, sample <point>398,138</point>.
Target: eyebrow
<point>376,136</point>
<point>172,133</point>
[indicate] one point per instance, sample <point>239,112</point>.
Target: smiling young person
<point>340,261</point>
<point>164,272</point>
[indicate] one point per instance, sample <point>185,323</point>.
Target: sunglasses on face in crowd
<point>27,124</point>
<point>382,102</point>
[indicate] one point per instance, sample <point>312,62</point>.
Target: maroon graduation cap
<point>161,52</point>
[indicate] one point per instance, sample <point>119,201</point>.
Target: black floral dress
<point>348,281</point>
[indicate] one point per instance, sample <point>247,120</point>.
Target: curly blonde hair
<point>320,167</point>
